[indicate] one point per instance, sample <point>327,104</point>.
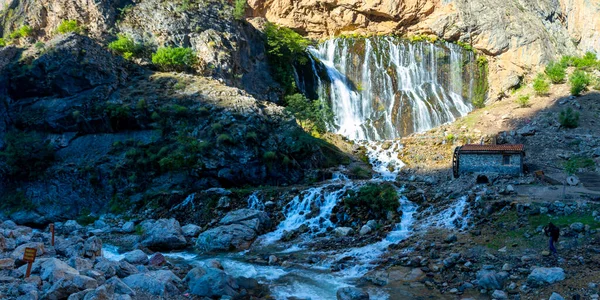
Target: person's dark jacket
<point>553,231</point>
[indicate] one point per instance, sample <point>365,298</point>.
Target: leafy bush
<point>2,42</point>
<point>482,84</point>
<point>224,138</point>
<point>312,116</point>
<point>85,218</point>
<point>377,197</point>
<point>284,48</point>
<point>270,156</point>
<point>23,31</point>
<point>40,45</point>
<point>556,72</point>
<point>577,162</point>
<point>540,85</point>
<point>125,46</point>
<point>523,101</point>
<point>579,81</point>
<point>27,154</point>
<point>588,60</point>
<point>568,118</point>
<point>240,9</point>
<point>67,26</point>
<point>174,59</point>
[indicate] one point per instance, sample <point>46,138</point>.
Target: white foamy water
<point>111,252</point>
<point>456,216</point>
<point>383,156</point>
<point>254,202</point>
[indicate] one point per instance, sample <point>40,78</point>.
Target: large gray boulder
<point>351,293</point>
<point>61,289</point>
<point>541,276</point>
<point>211,282</point>
<point>158,283</point>
<point>54,269</point>
<point>489,279</point>
<point>163,234</point>
<point>191,230</point>
<point>136,257</point>
<point>120,286</point>
<point>19,251</point>
<point>255,219</point>
<point>226,238</point>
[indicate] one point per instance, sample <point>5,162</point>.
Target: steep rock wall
<point>519,36</point>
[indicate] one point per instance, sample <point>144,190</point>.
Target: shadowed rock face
<point>519,36</point>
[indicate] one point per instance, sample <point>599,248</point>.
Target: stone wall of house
<point>481,163</point>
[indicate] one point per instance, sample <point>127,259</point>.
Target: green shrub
<point>270,156</point>
<point>174,59</point>
<point>540,85</point>
<point>450,138</point>
<point>2,42</point>
<point>40,45</point>
<point>217,127</point>
<point>26,154</point>
<point>85,218</point>
<point>67,26</point>
<point>569,118</point>
<point>224,138</point>
<point>284,48</point>
<point>313,116</point>
<point>251,136</point>
<point>23,31</point>
<point>377,197</point>
<point>556,72</point>
<point>523,101</point>
<point>588,60</point>
<point>579,81</point>
<point>240,9</point>
<point>481,85</point>
<point>125,46</point>
<point>577,162</point>
<point>15,201</point>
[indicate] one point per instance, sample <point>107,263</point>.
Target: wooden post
<point>29,257</point>
<point>52,232</point>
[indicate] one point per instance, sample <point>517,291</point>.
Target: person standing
<point>553,232</point>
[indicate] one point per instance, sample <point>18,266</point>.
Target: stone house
<point>501,159</point>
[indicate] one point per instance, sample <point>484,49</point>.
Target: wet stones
<point>542,276</point>
<point>351,293</point>
<point>343,231</point>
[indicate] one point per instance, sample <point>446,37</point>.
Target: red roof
<point>492,148</point>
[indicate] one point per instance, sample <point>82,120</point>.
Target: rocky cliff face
<point>519,36</point>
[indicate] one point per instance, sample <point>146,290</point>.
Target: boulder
<point>157,260</point>
<point>499,295</point>
<point>101,293</point>
<point>128,227</point>
<point>343,231</point>
<point>54,269</point>
<point>7,264</point>
<point>136,257</point>
<point>364,230</point>
<point>527,130</point>
<point>2,243</point>
<point>107,267</point>
<point>80,264</point>
<point>577,227</point>
<point>226,238</point>
<point>255,219</point>
<point>120,287</point>
<point>489,279</point>
<point>92,247</point>
<point>556,296</point>
<point>125,269</point>
<point>163,234</point>
<point>61,289</point>
<point>211,282</point>
<point>70,226</point>
<point>84,282</point>
<point>191,230</point>
<point>540,276</point>
<point>18,253</point>
<point>158,283</point>
<point>351,293</point>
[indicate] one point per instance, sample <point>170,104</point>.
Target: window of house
<point>506,159</point>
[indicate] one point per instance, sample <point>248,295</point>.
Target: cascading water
<point>383,88</point>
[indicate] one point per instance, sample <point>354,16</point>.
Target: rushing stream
<point>380,89</point>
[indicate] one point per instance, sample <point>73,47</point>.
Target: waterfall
<point>383,88</point>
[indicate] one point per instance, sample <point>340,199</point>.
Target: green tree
<point>284,48</point>
<point>240,9</point>
<point>556,72</point>
<point>579,81</point>
<point>174,59</point>
<point>540,85</point>
<point>313,116</point>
